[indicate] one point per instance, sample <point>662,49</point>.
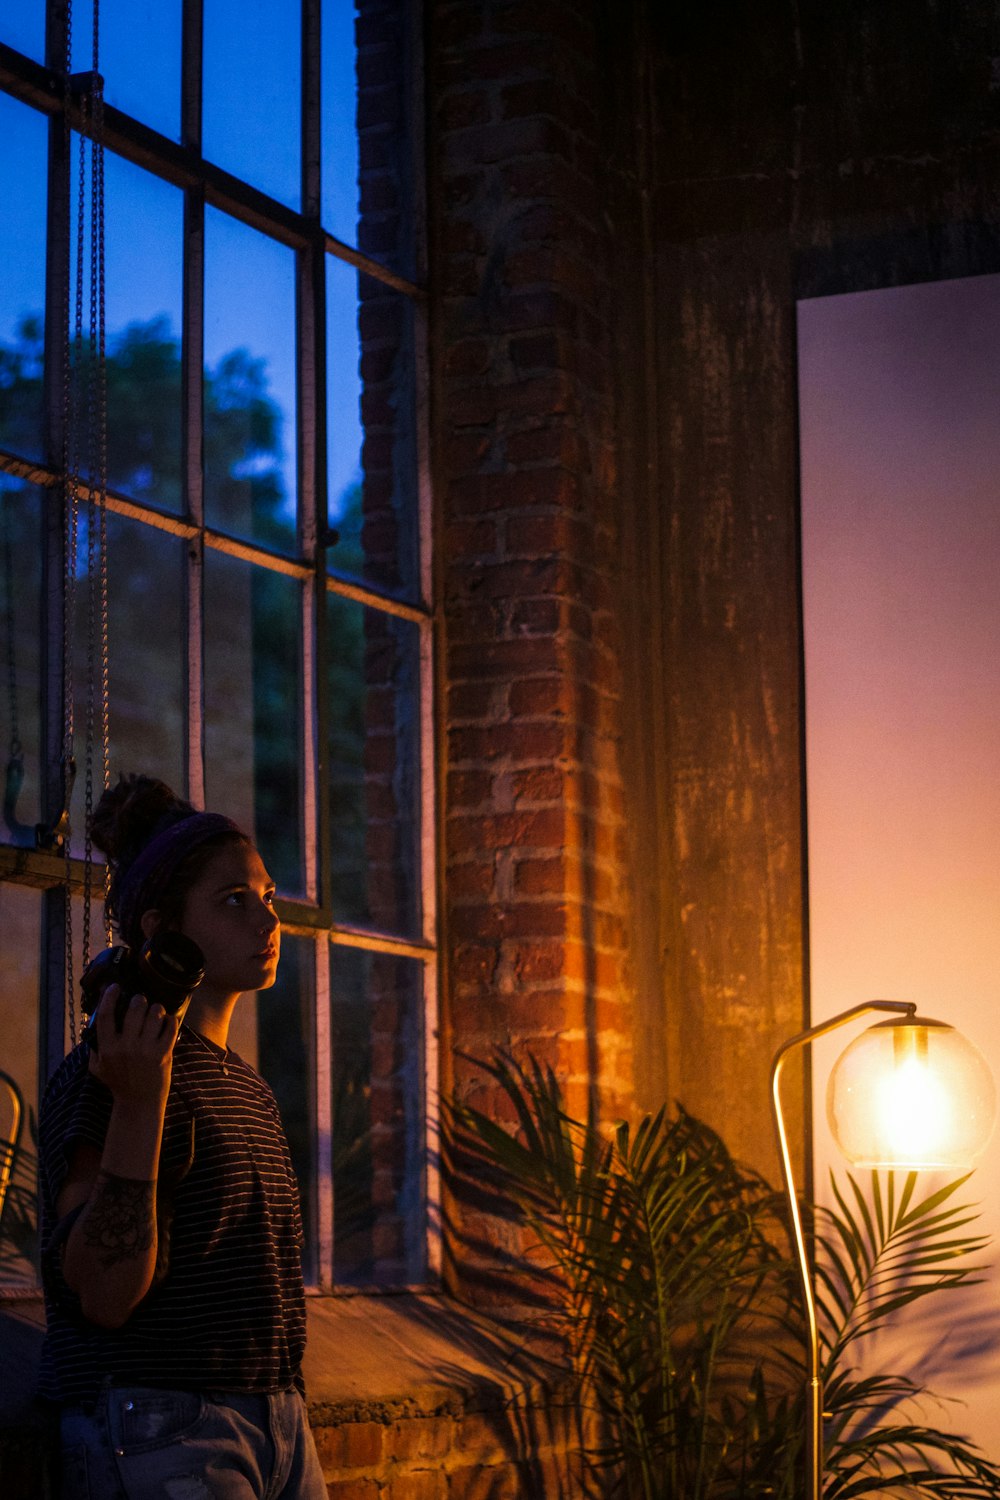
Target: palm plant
<point>659,1257</point>
<point>874,1256</point>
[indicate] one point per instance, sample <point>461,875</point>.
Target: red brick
<point>541,784</point>
<point>469,788</point>
<point>545,444</point>
<point>551,180</point>
<point>474,964</point>
<point>538,351</point>
<point>536,616</point>
<point>421,1484</point>
<point>464,452</point>
<point>499,1482</point>
<point>364,1442</point>
<point>541,741</point>
<point>353,1489</point>
<point>553,18</point>
<point>524,578</point>
<point>470,538</point>
<point>496,920</point>
<point>506,659</point>
<point>540,876</point>
<point>549,265</point>
<point>470,879</point>
<point>542,695</point>
<point>543,828</point>
<point>422,1437</point>
<point>513,490</point>
<point>469,357</point>
<point>552,533</point>
<point>486,1435</point>
<point>535,962</point>
<point>455,110</point>
<point>497,61</point>
<point>458,25</point>
<point>523,1013</point>
<point>475,701</point>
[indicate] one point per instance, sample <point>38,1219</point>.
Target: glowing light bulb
<point>911,1094</point>
<point>913,1111</point>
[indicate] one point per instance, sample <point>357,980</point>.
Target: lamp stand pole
<point>814,1385</point>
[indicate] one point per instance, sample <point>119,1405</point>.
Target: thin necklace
<point>210,1049</point>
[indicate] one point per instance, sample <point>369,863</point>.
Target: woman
<point>171,1227</point>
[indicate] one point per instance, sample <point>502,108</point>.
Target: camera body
<point>167,969</point>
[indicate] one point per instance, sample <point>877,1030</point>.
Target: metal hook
<point>12,790</point>
<point>54,837</point>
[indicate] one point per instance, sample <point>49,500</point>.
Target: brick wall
<point>525,477</point>
<point>458,1451</point>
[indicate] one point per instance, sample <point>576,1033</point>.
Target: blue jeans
<point>140,1443</point>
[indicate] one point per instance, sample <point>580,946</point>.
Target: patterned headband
<point>147,879</point>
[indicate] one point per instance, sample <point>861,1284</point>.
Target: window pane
<point>147,629</point>
<point>21,582</point>
<point>273,1031</point>
<point>249,383</point>
<point>340,134</point>
<point>140,57</point>
<point>20,968</point>
<point>253,84</point>
<point>372,467</point>
<point>253,652</point>
<point>379,1152</point>
<point>22,285</point>
<point>22,26</point>
<point>145,219</point>
<point>373,767</point>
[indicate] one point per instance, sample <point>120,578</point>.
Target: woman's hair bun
<point>133,812</point>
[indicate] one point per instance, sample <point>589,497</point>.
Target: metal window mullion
<point>193,360</point>
<point>311,448</point>
<point>312,123</point>
<point>429,735</point>
<point>311,356</point>
<point>192,37</point>
<point>55,960</point>
<point>323,1113</point>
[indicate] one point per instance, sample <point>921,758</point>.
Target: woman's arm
<point>110,1252</point>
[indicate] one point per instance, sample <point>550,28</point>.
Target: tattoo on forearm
<point>120,1224</point>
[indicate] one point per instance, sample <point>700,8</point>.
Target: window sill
<point>369,1358</point>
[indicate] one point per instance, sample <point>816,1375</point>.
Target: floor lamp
<point>907,1094</point>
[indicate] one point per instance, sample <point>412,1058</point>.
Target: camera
<point>167,969</point>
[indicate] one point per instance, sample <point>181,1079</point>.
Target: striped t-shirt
<point>229,1314</point>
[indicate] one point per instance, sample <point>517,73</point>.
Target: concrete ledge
<point>409,1395</point>
<point>419,1352</point>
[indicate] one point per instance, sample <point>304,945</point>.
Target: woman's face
<point>229,912</point>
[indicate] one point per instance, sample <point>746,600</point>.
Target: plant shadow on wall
<point>661,1265</point>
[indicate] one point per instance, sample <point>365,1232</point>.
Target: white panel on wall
<point>899,396</point>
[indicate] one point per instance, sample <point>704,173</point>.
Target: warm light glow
<point>911,1094</point>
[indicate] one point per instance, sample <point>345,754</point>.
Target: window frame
<point>311,917</point>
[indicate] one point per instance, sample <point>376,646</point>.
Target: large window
<point>267,568</point>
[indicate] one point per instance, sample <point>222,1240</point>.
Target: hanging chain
<point>16,749</point>
<point>85,368</point>
<point>71,500</point>
<point>102,469</point>
<point>97,479</point>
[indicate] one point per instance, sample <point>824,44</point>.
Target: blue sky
<point>250,127</point>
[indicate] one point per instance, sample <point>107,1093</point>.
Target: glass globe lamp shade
<point>911,1094</point>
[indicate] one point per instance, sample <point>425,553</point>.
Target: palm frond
<point>682,1316</point>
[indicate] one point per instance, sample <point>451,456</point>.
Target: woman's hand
<point>135,1062</point>
<point>110,1254</point>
